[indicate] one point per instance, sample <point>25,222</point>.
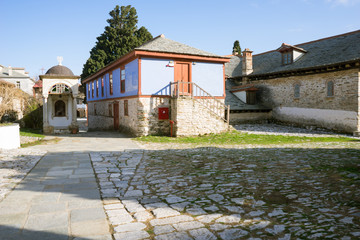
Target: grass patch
<point>29,132</point>
<point>235,137</point>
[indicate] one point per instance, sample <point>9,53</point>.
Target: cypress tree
<point>237,48</point>
<point>119,37</point>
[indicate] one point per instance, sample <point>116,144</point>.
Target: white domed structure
<point>60,89</point>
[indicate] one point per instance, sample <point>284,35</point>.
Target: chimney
<point>10,71</point>
<point>234,52</point>
<point>247,65</point>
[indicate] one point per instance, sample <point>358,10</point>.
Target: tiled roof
<point>162,44</point>
<point>235,103</point>
<point>319,53</point>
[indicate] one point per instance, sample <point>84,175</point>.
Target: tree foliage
<point>237,48</point>
<point>120,37</point>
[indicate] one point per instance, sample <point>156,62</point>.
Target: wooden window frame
<point>97,88</point>
<point>287,57</point>
<point>126,108</point>
<point>111,83</point>
<point>102,87</point>
<point>122,80</point>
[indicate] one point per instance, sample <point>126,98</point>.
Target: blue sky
<point>33,33</point>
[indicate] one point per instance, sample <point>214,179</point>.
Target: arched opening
<point>60,108</point>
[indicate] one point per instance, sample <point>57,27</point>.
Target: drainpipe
<point>171,126</point>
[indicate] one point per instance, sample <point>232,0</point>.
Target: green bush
<point>33,115</point>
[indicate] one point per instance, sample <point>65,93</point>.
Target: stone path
<point>158,191</point>
<point>226,193</point>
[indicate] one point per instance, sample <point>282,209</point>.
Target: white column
<point>45,111</point>
<point>74,116</point>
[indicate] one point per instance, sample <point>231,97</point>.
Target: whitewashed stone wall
<point>314,107</point>
<point>192,118</point>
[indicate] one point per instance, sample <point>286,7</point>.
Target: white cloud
<point>343,2</point>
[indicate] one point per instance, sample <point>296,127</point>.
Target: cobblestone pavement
<point>14,165</point>
<point>284,192</point>
<point>168,191</point>
<point>275,129</point>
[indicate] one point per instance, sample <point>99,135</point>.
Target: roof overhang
<point>153,54</point>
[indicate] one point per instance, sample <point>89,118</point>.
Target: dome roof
<point>59,70</point>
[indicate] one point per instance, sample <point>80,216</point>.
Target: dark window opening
<point>126,108</point>
<point>60,109</point>
<point>297,91</point>
<point>251,97</point>
<point>330,89</point>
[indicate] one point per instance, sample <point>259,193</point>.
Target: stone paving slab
<point>71,209</point>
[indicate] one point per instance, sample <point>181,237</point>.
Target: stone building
<point>59,92</point>
<point>315,83</point>
<point>18,77</point>
<point>160,88</point>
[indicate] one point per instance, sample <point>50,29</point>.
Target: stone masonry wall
<point>313,107</point>
<point>101,120</point>
<point>192,118</point>
<point>313,91</point>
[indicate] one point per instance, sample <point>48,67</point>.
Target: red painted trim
<point>178,56</point>
<point>111,66</point>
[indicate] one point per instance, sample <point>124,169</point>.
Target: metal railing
<point>194,91</point>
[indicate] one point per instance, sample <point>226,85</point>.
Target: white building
<point>59,91</point>
<point>18,77</point>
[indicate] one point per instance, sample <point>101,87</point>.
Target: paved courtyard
<point>102,186</point>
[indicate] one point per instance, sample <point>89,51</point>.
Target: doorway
<point>116,115</point>
<point>183,77</point>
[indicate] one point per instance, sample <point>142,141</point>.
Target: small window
<point>102,87</point>
<point>126,108</point>
<point>60,108</point>
<point>287,57</point>
<point>97,88</point>
<point>111,84</point>
<point>18,84</point>
<point>92,92</point>
<point>330,88</point>
<point>88,90</point>
<point>297,91</point>
<point>122,81</point>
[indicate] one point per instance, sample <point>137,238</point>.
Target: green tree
<point>237,48</point>
<point>120,37</point>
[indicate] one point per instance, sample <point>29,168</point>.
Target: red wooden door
<point>116,115</point>
<point>182,75</point>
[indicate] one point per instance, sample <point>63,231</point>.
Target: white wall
<point>9,136</point>
<point>155,75</point>
<point>209,76</point>
<point>326,118</point>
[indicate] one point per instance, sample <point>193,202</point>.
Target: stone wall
<point>99,117</point>
<point>192,118</point>
<point>313,107</point>
<point>141,120</point>
<point>249,117</point>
